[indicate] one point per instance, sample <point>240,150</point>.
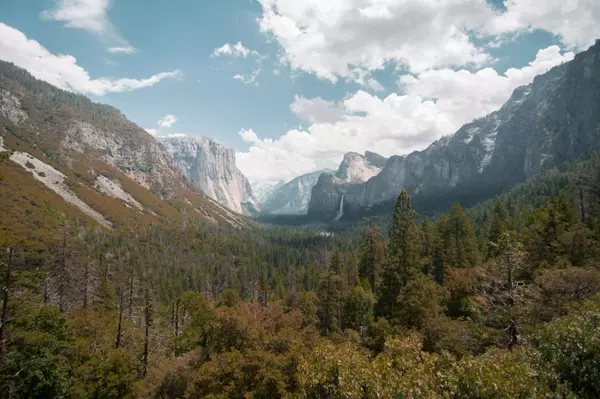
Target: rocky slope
<point>292,198</point>
<point>211,167</point>
<point>70,157</point>
<point>555,118</point>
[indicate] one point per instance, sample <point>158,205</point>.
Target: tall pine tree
<point>403,262</point>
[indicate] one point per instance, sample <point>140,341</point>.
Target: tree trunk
<point>86,282</point>
<point>581,205</point>
<point>177,317</point>
<point>146,339</point>
<point>62,273</point>
<point>130,303</point>
<point>118,340</point>
<point>4,315</point>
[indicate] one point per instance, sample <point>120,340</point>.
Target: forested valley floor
<point>497,301</point>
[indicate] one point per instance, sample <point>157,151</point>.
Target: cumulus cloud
<point>167,121</point>
<point>333,38</point>
<point>575,22</point>
<point>234,50</point>
<point>62,70</point>
<point>151,132</point>
<point>351,38</point>
<point>396,124</point>
<point>317,110</point>
<point>89,15</point>
<point>463,95</point>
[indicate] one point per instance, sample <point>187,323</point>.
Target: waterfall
<point>341,211</point>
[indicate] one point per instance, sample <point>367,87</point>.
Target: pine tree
<point>498,226</point>
<point>427,243</point>
<point>370,256</point>
<point>458,237</point>
<point>331,296</point>
<point>403,263</point>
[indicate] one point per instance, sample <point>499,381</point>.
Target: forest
<point>500,300</point>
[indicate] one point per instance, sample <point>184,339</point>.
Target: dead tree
<point>148,322</point>
<point>5,298</point>
<point>119,327</point>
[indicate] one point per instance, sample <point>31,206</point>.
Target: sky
<point>294,85</point>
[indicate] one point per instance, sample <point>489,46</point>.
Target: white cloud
<point>167,121</point>
<point>575,22</point>
<point>248,79</point>
<point>317,110</point>
<point>171,135</point>
<point>123,50</point>
<point>151,132</point>
<point>396,124</point>
<point>89,15</point>
<point>234,50</point>
<point>332,38</point>
<point>463,95</point>
<point>62,70</point>
<point>350,39</point>
<point>276,72</point>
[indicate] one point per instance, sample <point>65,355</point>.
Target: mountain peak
<point>211,166</point>
<point>356,168</point>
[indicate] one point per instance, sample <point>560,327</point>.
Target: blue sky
<point>313,79</point>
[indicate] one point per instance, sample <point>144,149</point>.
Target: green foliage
<point>457,238</point>
<point>199,316</point>
<point>403,261</point>
<point>370,256</point>
<point>572,346</point>
<point>38,363</point>
<point>503,374</point>
<point>359,308</point>
<point>421,299</point>
<point>331,296</point>
<point>108,374</point>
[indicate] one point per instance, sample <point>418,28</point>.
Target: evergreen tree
<point>403,262</point>
<point>331,296</point>
<point>358,313</point>
<point>458,237</point>
<point>427,243</point>
<point>498,226</point>
<point>370,256</point>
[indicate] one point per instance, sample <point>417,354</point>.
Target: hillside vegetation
<point>500,301</point>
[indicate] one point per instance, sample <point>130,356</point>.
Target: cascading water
<point>341,211</point>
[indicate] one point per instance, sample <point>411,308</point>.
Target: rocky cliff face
<point>87,160</point>
<point>212,168</point>
<point>356,168</point>
<point>292,198</point>
<point>554,119</point>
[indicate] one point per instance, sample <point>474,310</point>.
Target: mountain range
<point>82,158</point>
<point>554,119</point>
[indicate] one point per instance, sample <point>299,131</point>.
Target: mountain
<point>553,119</point>
<point>262,191</point>
<point>70,157</point>
<point>356,168</point>
<point>292,198</point>
<point>211,167</point>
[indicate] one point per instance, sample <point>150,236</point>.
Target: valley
<point>439,259</point>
